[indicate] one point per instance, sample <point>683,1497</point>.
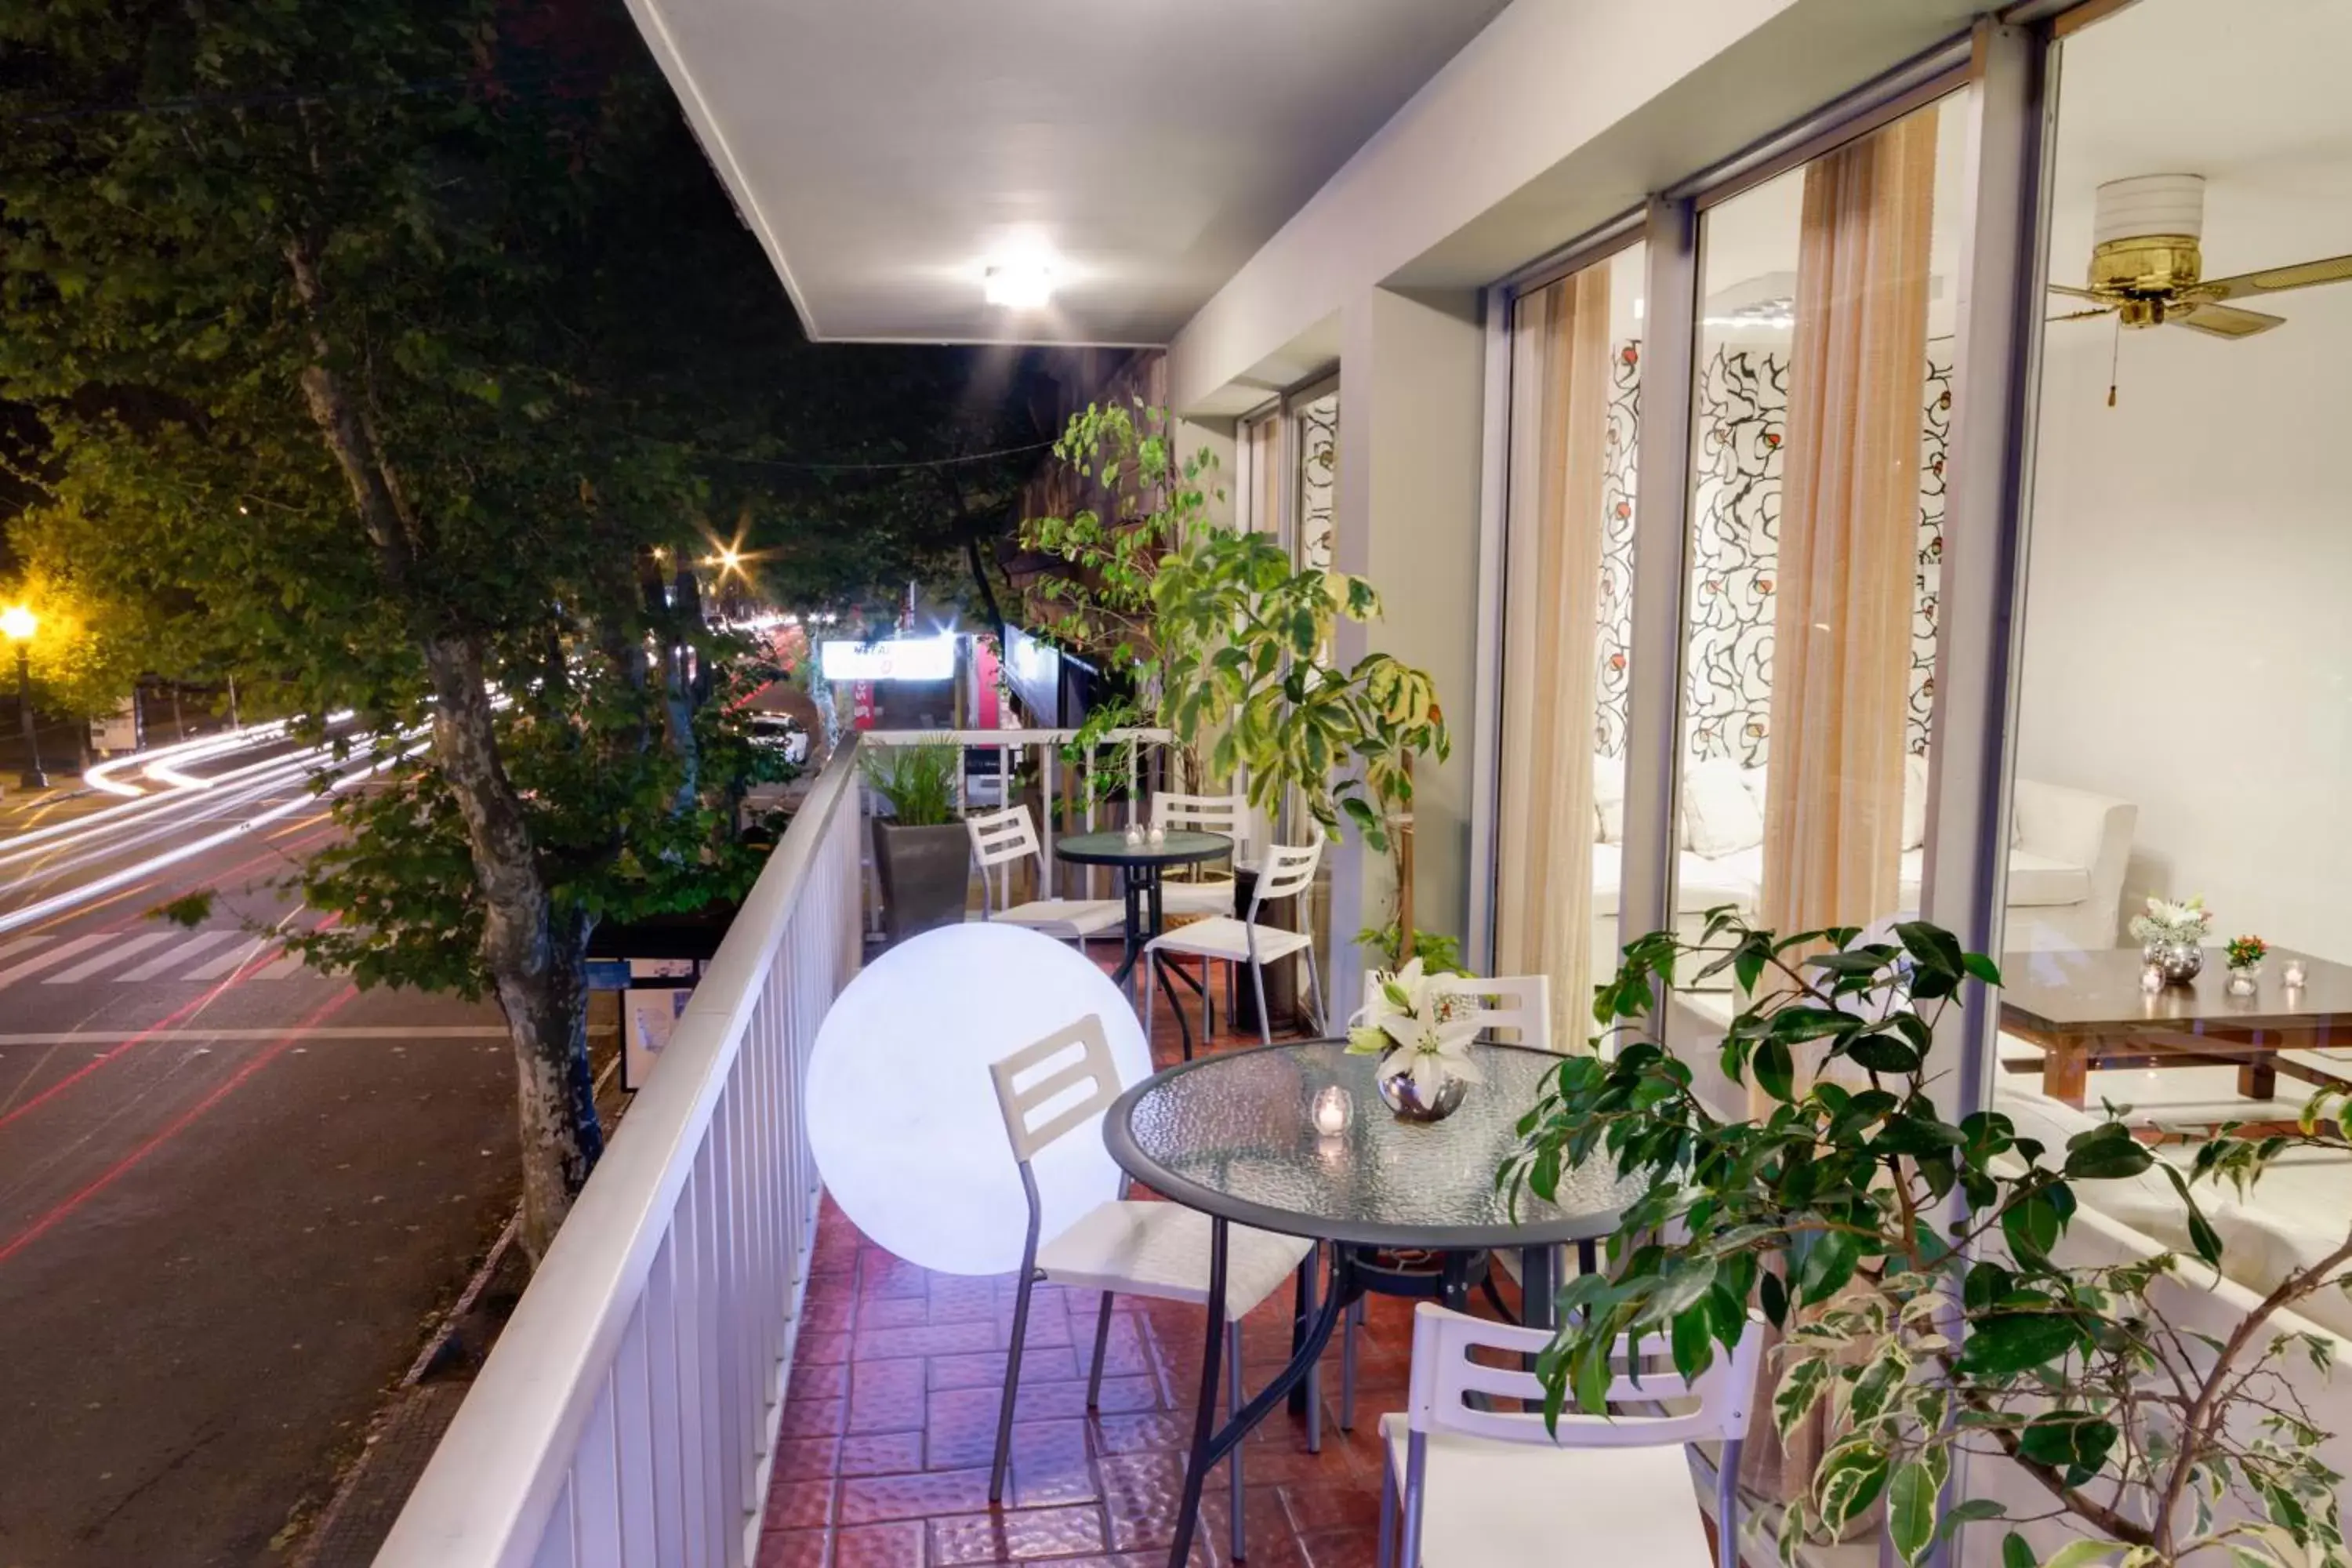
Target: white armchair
<point>2066,842</point>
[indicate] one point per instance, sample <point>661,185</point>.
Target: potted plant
<point>1918,1268</point>
<point>920,851</point>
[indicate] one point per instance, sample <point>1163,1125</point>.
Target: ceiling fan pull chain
<point>2115,361</point>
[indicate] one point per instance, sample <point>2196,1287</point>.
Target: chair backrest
<point>1285,874</point>
<point>1442,1372</point>
<point>1520,1003</point>
<point>1064,1090</point>
<point>999,838</point>
<point>1225,814</point>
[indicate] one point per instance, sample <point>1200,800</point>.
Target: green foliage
<point>917,779</point>
<point>190,910</point>
<point>1439,953</point>
<point>1914,1264</point>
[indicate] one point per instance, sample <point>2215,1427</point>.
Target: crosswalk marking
<point>285,968</point>
<point>227,963</point>
<point>172,958</point>
<point>129,948</point>
<point>58,955</point>
<point>23,945</point>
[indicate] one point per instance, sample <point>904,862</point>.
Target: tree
<point>354,360</point>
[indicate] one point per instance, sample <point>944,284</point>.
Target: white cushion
<point>1719,812</point>
<point>2037,881</point>
<point>1222,936</point>
<point>1608,798</point>
<point>1488,1504</point>
<point>1162,1250</point>
<point>1738,878</point>
<point>1067,919</point>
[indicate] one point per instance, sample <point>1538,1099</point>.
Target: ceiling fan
<point>2146,269</point>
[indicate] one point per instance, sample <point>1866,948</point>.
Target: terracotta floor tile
<point>929,1338</point>
<point>799,1505</point>
<point>899,1545</point>
<point>1341,1549</point>
<point>881,1453</point>
<point>792,1549</point>
<point>813,1418</point>
<point>821,1349</point>
<point>886,1397</point>
<point>806,1459</point>
<point>985,1369</point>
<point>921,1495</point>
<point>1016,1535</point>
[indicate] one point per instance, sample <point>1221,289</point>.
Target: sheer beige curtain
<point>1842,627</point>
<point>1560,402</point>
<point>1849,514</point>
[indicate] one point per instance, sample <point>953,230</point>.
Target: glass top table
<point>1139,865</point>
<point>1233,1136</point>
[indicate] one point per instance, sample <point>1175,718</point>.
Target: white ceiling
<point>886,150</point>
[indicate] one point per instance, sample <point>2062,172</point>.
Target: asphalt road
<point>232,1191</point>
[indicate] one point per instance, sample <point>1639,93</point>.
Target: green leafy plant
<point>1915,1265</point>
<point>1439,953</point>
<point>919,780</point>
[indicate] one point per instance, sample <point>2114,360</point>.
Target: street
<point>234,1192</point>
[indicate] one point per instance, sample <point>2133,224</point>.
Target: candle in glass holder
<point>2294,974</point>
<point>1158,835</point>
<point>2151,979</point>
<point>1134,834</point>
<point>1333,1110</point>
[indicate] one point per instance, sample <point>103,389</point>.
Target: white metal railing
<point>627,1413</point>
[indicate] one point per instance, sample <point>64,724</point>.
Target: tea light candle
<point>1134,834</point>
<point>1333,1110</point>
<point>2151,979</point>
<point>2294,975</point>
<point>1158,836</point>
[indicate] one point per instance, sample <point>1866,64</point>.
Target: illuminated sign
<point>902,659</point>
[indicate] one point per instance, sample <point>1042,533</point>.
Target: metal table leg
<point>1212,1442</point>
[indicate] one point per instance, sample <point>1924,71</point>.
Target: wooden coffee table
<point>2086,1010</point>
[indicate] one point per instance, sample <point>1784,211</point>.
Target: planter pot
<point>924,872</point>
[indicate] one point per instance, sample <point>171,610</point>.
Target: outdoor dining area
<point>1110,1274</point>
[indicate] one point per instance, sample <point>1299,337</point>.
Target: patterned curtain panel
<point>1848,570</point>
<point>1562,389</point>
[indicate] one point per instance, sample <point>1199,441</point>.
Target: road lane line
<point>130,947</point>
<point>58,955</point>
<point>178,1125</point>
<point>172,958</point>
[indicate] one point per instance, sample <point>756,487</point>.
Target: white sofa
<point>2068,851</point>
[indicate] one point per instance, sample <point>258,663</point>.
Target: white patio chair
<point>1520,1003</point>
<point>1222,939</point>
<point>1001,837</point>
<point>1225,814</point>
<point>1493,1488</point>
<point>1061,1085</point>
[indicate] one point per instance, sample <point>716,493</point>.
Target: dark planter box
<point>924,872</point>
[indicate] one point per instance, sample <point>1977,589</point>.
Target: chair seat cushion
<point>1066,917</point>
<point>1162,1250</point>
<point>1504,1505</point>
<point>1225,937</point>
<point>1701,883</point>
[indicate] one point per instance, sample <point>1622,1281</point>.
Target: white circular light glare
<point>902,1113</point>
<point>1020,285</point>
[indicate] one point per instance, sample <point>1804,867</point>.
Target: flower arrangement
<point>2187,923</point>
<point>2246,951</point>
<point>1417,1030</point>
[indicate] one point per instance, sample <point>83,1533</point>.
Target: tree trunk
<point>537,961</point>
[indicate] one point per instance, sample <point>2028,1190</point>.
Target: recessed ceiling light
<point>1024,285</point>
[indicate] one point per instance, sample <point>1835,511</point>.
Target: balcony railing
<point>628,1412</point>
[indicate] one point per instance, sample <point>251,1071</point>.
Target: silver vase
<point>2179,962</point>
<point>1402,1096</point>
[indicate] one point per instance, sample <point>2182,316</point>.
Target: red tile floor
<point>890,1422</point>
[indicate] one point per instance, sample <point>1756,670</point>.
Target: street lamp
<point>17,623</point>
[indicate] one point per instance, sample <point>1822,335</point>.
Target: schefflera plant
<point>1911,1265</point>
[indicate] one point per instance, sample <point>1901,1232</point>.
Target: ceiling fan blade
<point>2079,315</point>
<point>2221,320</point>
<point>2070,292</point>
<point>2277,280</point>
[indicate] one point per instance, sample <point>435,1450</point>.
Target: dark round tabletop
<point>1180,848</point>
<point>1231,1135</point>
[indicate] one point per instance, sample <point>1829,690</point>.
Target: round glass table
<point>1139,865</point>
<point>1235,1136</point>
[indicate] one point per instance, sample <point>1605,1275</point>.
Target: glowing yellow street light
<point>730,559</point>
<point>17,623</point>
